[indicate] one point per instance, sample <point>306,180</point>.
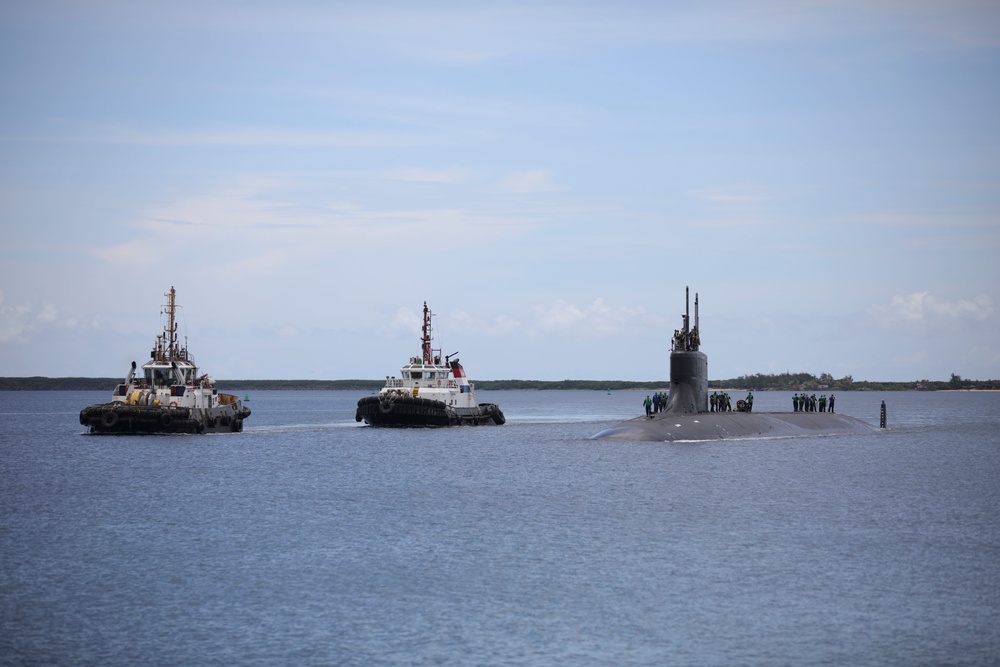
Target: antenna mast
<point>425,340</point>
<point>171,331</point>
<point>687,311</point>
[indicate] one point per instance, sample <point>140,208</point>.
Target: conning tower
<point>688,365</point>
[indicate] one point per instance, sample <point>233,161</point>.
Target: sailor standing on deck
<point>649,404</point>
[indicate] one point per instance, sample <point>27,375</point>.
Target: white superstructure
<point>171,376</point>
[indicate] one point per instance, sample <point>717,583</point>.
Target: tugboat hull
<point>119,418</point>
<point>402,411</point>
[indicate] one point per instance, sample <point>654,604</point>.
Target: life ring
<point>109,419</point>
<point>439,383</point>
<point>173,404</point>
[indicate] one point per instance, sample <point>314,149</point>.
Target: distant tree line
<point>780,382</point>
<point>594,385</point>
<point>825,381</point>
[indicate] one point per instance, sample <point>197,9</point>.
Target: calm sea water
<point>310,540</point>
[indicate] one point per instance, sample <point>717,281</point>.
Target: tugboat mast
<point>172,323</point>
<point>425,340</point>
<point>167,346</point>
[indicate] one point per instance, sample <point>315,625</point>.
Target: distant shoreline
<point>39,383</point>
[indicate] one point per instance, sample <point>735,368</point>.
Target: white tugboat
<point>428,393</point>
<point>169,396</point>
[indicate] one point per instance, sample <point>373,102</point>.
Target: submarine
<point>687,417</point>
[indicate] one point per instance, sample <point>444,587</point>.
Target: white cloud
<point>12,324</point>
<point>982,356</point>
<point>21,321</point>
<point>237,136</point>
<point>405,322</point>
<point>597,319</point>
<point>497,325</point>
<point>126,252</point>
<point>471,34</point>
<point>528,182</point>
<point>731,196</point>
<point>914,359</point>
<point>48,313</point>
<point>922,221</point>
<point>448,175</point>
<point>258,223</point>
<point>923,309</point>
<point>733,207</point>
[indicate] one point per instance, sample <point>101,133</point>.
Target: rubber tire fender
<point>109,419</point>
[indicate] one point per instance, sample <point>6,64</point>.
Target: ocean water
<point>310,540</point>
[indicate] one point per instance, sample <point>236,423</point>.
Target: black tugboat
<point>428,393</point>
<point>169,396</point>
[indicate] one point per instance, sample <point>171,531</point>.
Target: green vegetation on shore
<point>760,382</point>
<point>825,381</point>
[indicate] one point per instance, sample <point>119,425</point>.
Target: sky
<point>548,176</point>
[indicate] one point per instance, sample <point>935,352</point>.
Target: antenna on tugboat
<point>425,340</point>
<point>171,324</point>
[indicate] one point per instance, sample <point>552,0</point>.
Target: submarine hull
<point>687,417</point>
<point>734,425</point>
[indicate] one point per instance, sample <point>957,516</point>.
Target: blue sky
<point>548,176</point>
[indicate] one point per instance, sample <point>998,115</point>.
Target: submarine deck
<point>667,427</point>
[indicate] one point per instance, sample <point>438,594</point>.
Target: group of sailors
<point>657,403</point>
<point>720,401</point>
<point>809,403</point>
<point>686,340</point>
